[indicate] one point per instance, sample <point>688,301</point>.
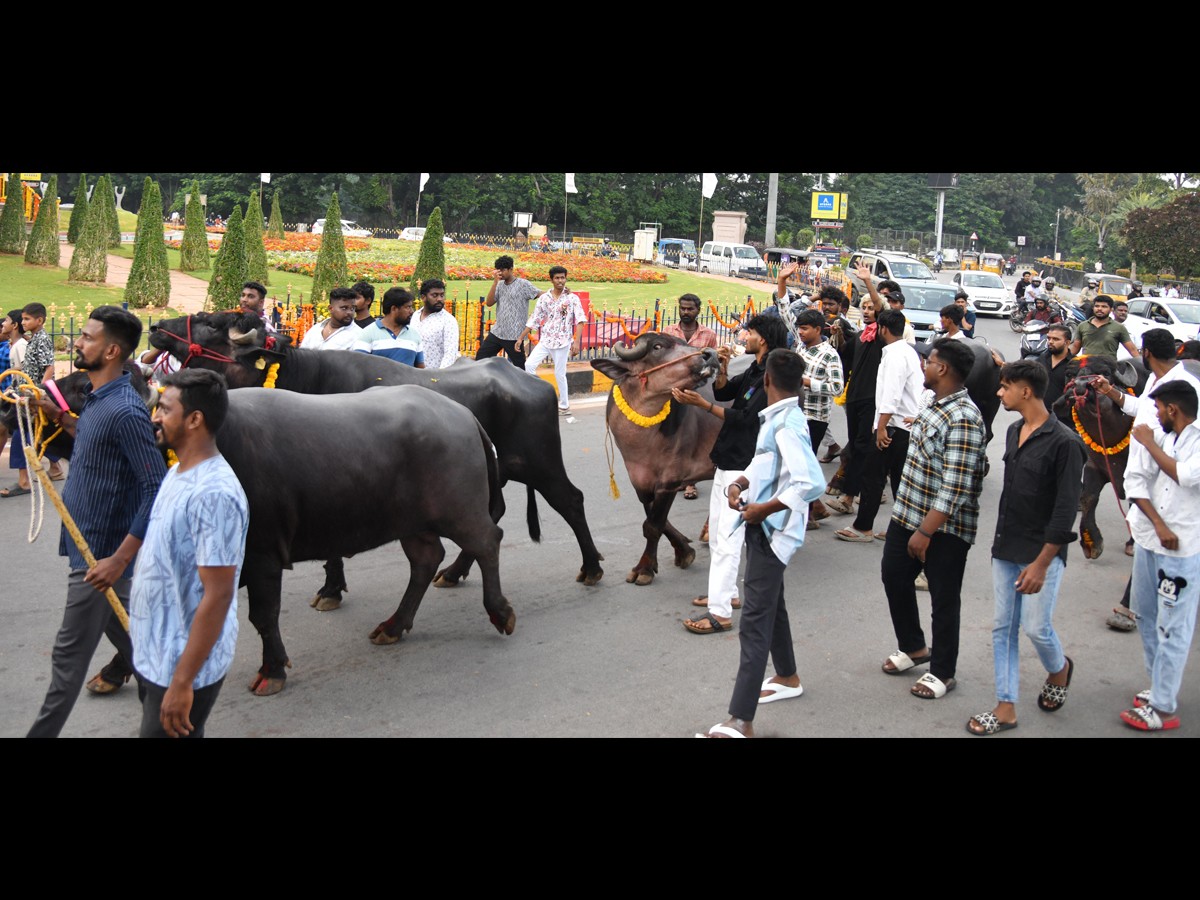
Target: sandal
<point>14,490</point>
<point>1121,620</point>
<point>902,662</point>
<point>853,535</point>
<point>840,505</point>
<point>707,624</point>
<point>1054,696</point>
<point>1142,698</point>
<point>831,454</point>
<point>935,686</point>
<point>690,493</point>
<point>99,685</point>
<point>703,601</point>
<point>1146,718</point>
<point>704,533</point>
<point>988,724</point>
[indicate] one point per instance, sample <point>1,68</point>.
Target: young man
<point>1100,335</point>
<point>109,492</point>
<point>952,317</point>
<point>1172,293</point>
<point>968,322</point>
<point>338,332</point>
<point>364,299</point>
<point>1165,521</point>
<point>1043,472</point>
<point>731,452</point>
<point>38,364</point>
<point>823,381</point>
<point>898,390</point>
<point>510,295</point>
<point>695,335</point>
<point>183,612</point>
<point>253,302</point>
<point>439,329</point>
<point>1088,294</point>
<point>1054,359</point>
<point>1120,312</point>
<point>934,521</point>
<point>392,336</point>
<point>895,302</point>
<point>1023,285</point>
<point>558,317</point>
<point>1042,312</point>
<point>780,480</point>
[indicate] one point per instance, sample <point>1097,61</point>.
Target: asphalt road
<point>607,661</point>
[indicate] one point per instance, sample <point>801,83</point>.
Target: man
<point>783,475</point>
<point>898,389</point>
<point>1163,484</point>
<point>731,452</point>
<point>895,302</point>
<point>1172,293</point>
<point>1088,294</point>
<point>392,335</point>
<point>840,334</point>
<point>38,365</point>
<point>968,322</point>
<point>1158,356</point>
<point>338,332</point>
<point>439,329</point>
<point>1121,312</point>
<point>253,300</point>
<point>934,521</point>
<point>1135,291</point>
<point>695,335</point>
<point>938,260</point>
<point>1048,291</point>
<point>115,473</point>
<point>559,318</point>
<point>952,317</point>
<point>364,300</point>
<point>510,295</point>
<point>823,381</point>
<point>183,613</point>
<point>1023,285</point>
<point>1043,472</point>
<point>1032,292</point>
<point>1054,359</point>
<point>1042,312</point>
<point>1100,335</point>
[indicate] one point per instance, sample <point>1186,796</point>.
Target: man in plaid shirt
<point>823,381</point>
<point>935,520</point>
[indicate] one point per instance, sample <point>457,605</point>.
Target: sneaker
<point>921,583</point>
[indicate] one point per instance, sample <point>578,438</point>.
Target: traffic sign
<point>974,236</point>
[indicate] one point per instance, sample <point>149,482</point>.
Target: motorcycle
<point>1010,266</point>
<point>937,267</point>
<point>1034,341</point>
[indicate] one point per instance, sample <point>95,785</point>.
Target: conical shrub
<point>12,220</point>
<point>104,187</point>
<point>229,270</point>
<point>89,262</point>
<point>193,252</point>
<point>331,270</point>
<point>431,263</point>
<point>275,229</point>
<point>79,212</point>
<point>256,253</point>
<point>149,278</point>
<point>42,249</point>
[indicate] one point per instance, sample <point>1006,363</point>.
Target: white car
<point>418,234</point>
<point>1180,317</point>
<point>349,229</point>
<point>987,293</point>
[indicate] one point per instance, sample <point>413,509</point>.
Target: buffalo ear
<point>610,367</point>
<point>250,357</point>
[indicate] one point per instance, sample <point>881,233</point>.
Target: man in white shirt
<point>952,318</point>
<point>439,329</point>
<point>898,388</point>
<point>338,332</point>
<point>1163,484</point>
<point>1172,293</point>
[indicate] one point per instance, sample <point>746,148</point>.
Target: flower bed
<point>308,242</point>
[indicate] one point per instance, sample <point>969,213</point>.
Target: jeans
<point>1031,612</point>
<point>724,546</point>
<point>1166,619</point>
<point>559,355</point>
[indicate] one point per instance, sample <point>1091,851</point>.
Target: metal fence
<point>63,331</point>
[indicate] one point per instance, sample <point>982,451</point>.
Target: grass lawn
<point>127,220</point>
<point>21,284</point>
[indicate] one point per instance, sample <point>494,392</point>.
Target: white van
<point>723,258</point>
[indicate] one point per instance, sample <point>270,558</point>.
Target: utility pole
<point>772,197</point>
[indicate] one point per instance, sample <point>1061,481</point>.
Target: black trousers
<point>881,466</point>
<point>152,696</point>
<point>816,431</point>
<point>861,441</point>
<point>492,346</point>
<point>945,562</point>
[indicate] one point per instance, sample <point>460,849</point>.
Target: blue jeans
<point>1166,618</point>
<point>1031,612</point>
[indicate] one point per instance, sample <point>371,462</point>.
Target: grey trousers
<point>85,619</point>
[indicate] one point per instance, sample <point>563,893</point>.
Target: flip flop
<point>779,691</point>
<point>902,662</point>
<point>14,491</point>
<point>937,687</point>
<point>840,505</point>
<point>703,601</point>
<point>854,536</point>
<point>1145,718</point>
<point>1056,693</point>
<point>719,731</point>
<point>715,625</point>
<point>690,494</point>
<point>991,725</point>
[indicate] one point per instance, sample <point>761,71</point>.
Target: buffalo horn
<point>249,338</point>
<point>630,354</point>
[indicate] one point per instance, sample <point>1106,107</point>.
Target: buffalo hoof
<point>262,686</point>
<point>325,604</point>
<point>381,638</point>
<point>441,581</point>
<point>593,578</point>
<point>686,558</point>
<point>504,624</point>
<point>643,579</point>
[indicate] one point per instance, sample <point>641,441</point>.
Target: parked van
<point>723,258</point>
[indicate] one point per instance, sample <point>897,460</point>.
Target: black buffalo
<point>519,413</point>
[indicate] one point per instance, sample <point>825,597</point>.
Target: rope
<point>610,455</point>
<point>1108,465</point>
<point>195,350</point>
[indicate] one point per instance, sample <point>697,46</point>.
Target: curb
<point>582,379</point>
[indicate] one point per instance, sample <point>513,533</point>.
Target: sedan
<point>413,233</point>
<point>987,293</point>
<point>1180,317</point>
<point>923,304</point>
<point>349,229</point>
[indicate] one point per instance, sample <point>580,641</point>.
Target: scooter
<point>1034,341</point>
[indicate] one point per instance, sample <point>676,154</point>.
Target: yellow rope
<point>613,490</point>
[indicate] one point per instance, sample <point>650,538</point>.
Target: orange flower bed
<point>308,242</point>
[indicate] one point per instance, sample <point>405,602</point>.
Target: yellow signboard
<point>31,176</point>
<point>828,205</point>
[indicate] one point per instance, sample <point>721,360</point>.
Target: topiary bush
<point>193,250</point>
<point>149,278</point>
<point>79,212</point>
<point>43,249</point>
<point>804,238</point>
<point>331,270</point>
<point>12,220</point>
<point>89,263</point>
<point>256,253</point>
<point>108,200</point>
<point>275,228</point>
<point>864,240</point>
<point>431,263</point>
<point>229,270</point>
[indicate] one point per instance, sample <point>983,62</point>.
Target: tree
<point>256,253</point>
<point>1165,238</point>
<point>331,270</point>
<point>149,278</point>
<point>1097,208</point>
<point>431,263</point>
<point>1138,199</point>
<point>79,212</point>
<point>89,262</point>
<point>804,238</point>
<point>229,271</point>
<point>42,249</point>
<point>104,191</point>
<point>193,252</point>
<point>275,230</point>
<point>12,220</point>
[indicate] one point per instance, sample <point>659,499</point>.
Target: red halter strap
<point>195,350</point>
<point>642,375</point>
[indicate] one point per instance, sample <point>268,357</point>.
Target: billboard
<point>828,205</point>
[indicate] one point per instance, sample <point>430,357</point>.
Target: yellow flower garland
<point>636,417</point>
<point>1087,438</point>
<point>272,374</point>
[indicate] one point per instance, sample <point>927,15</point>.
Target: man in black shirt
<point>364,300</point>
<point>860,406</point>
<point>1043,471</point>
<point>732,452</point>
<point>1055,358</point>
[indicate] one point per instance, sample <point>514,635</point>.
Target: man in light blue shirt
<point>392,336</point>
<point>183,611</point>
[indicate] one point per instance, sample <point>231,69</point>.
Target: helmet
<point>1092,282</point>
<point>1035,281</point>
<point>1050,282</point>
<point>1138,285</point>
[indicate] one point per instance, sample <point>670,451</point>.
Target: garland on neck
<point>636,417</point>
<point>1087,438</point>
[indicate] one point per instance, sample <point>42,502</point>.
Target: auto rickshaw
<point>992,262</point>
<point>1115,287</point>
<point>970,261</point>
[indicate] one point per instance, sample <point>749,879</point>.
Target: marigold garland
<point>738,320</point>
<point>636,417</point>
<point>172,459</point>
<point>1087,438</point>
<point>619,320</point>
<point>272,374</point>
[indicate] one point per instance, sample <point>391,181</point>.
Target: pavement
<point>187,293</point>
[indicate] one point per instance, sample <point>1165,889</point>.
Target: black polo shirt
<point>1042,484</point>
<point>862,374</point>
<point>1058,376</point>
<point>735,443</point>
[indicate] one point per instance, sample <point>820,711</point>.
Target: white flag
<point>265,177</point>
<point>709,180</point>
<point>424,178</point>
<point>571,189</point>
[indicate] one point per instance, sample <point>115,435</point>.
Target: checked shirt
<point>944,468</point>
<point>823,367</point>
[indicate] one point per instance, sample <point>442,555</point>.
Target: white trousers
<point>724,547</point>
<point>560,355</point>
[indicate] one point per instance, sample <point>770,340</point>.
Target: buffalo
<point>663,456</point>
<point>519,413</point>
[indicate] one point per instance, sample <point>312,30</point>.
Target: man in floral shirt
<point>559,318</point>
<point>439,329</point>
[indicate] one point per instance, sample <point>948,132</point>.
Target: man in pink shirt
<point>695,335</point>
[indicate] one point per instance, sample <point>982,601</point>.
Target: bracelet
<point>734,485</point>
<point>923,532</point>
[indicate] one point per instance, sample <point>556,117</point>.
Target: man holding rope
<point>114,477</point>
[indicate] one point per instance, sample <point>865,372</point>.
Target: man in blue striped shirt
<point>115,472</point>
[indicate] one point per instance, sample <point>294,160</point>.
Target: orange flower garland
<point>1087,438</point>
<point>739,320</point>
